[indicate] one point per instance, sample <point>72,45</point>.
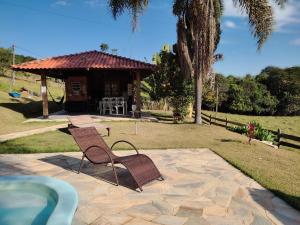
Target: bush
<point>239,129</point>
<point>260,133</point>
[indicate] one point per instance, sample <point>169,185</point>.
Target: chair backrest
<point>87,137</point>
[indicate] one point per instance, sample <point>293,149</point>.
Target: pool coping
<point>67,197</point>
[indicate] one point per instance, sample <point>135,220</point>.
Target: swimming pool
<point>36,200</point>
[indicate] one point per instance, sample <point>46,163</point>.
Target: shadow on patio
<point>101,172</point>
<point>13,168</point>
<point>276,206</point>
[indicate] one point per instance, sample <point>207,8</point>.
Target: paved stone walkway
<point>6,137</point>
<point>200,189</point>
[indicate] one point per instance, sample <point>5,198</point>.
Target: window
<point>75,88</point>
<point>111,89</point>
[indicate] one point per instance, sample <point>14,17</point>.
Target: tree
<point>168,83</point>
<point>198,32</point>
<point>247,96</point>
<point>6,59</point>
<point>104,47</point>
<point>284,84</point>
<point>114,51</point>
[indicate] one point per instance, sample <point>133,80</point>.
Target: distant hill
<point>6,59</point>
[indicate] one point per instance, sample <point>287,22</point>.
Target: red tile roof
<point>85,60</point>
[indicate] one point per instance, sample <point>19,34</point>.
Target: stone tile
<point>200,189</point>
<point>259,220</point>
<point>138,221</point>
<point>215,211</point>
<point>88,214</point>
<point>189,212</point>
<point>115,219</point>
<point>217,220</point>
<point>170,220</point>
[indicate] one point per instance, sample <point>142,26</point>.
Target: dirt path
<point>6,137</point>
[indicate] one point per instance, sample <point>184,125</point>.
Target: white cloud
<point>295,42</point>
<point>61,3</point>
<point>227,42</point>
<point>94,3</point>
<point>287,15</point>
<point>231,10</point>
<point>230,24</point>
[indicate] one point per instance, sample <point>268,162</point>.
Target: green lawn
<point>31,84</point>
<point>14,112</point>
<point>288,124</point>
<point>277,170</point>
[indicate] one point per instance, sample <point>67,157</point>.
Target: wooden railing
<point>281,138</point>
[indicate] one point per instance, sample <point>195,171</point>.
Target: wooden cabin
<point>89,77</point>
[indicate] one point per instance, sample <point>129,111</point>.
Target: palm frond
<point>134,7</point>
<point>260,16</point>
<point>281,2</point>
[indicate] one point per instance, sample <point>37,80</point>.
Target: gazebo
<point>89,77</point>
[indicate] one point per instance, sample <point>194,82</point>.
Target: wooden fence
<point>281,138</point>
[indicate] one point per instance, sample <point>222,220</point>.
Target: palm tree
<point>104,47</point>
<point>198,31</point>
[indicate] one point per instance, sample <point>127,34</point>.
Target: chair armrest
<point>101,149</point>
<point>127,142</point>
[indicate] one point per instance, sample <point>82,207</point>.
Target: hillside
<point>15,111</point>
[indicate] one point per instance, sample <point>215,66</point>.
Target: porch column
<point>44,96</point>
<point>138,93</point>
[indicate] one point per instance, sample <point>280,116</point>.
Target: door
<point>76,89</point>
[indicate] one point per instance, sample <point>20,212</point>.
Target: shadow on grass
<point>262,197</point>
<point>229,140</point>
<point>30,109</point>
<point>64,130</point>
<point>101,171</point>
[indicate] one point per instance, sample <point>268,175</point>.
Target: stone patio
<point>200,188</point>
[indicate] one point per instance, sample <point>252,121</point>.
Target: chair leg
<point>108,131</point>
<point>115,173</point>
<point>81,164</point>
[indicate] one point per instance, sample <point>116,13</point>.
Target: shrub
<point>239,129</point>
<point>260,133</point>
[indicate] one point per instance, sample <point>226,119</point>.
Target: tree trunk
<point>198,99</point>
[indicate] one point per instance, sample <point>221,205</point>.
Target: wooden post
<point>217,101</point>
<point>44,96</point>
<point>210,119</point>
<point>136,129</point>
<point>226,122</point>
<point>138,93</point>
<point>278,137</point>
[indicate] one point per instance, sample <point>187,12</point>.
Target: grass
<point>288,124</point>
<point>31,83</point>
<point>13,112</point>
<point>277,170</point>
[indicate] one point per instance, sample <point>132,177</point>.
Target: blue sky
<point>56,27</point>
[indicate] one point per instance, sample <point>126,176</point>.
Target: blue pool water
<point>35,200</point>
<point>28,203</point>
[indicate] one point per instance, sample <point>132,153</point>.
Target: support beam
<point>138,93</point>
<point>44,96</point>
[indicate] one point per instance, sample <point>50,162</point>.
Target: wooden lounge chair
<point>86,121</point>
<point>94,148</point>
